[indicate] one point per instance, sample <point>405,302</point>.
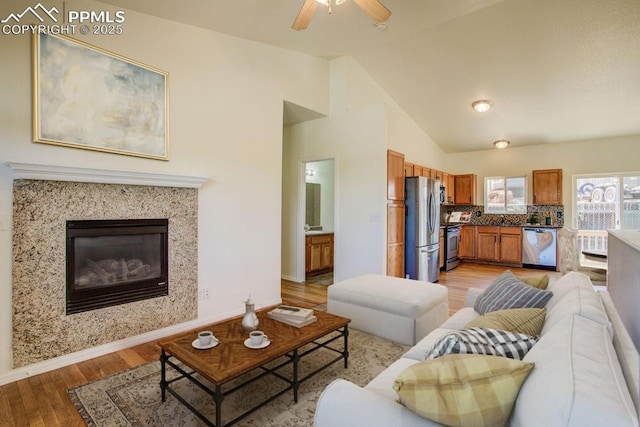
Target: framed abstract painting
<point>87,97</point>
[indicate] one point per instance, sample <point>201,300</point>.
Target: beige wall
<point>226,103</point>
<point>363,122</point>
<point>606,155</point>
<point>402,133</point>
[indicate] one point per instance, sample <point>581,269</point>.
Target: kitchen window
<point>505,195</point>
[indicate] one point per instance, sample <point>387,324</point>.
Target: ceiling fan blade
<point>304,16</point>
<point>374,9</point>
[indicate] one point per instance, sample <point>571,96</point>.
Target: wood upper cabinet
<point>511,244</point>
<point>467,247</point>
<point>465,189</point>
<point>547,187</point>
<point>408,169</point>
<point>451,188</point>
<point>395,239</point>
<point>395,175</point>
<point>487,243</point>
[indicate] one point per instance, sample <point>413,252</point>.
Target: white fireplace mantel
<point>102,176</point>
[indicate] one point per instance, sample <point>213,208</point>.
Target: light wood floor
<point>42,400</point>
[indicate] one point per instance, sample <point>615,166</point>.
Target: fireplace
<point>112,262</point>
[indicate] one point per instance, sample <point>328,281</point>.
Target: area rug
<point>132,398</point>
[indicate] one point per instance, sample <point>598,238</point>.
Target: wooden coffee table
<point>230,358</point>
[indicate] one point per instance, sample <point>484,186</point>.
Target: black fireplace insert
<point>111,262</point>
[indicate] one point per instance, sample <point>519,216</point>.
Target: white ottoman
<point>399,310</point>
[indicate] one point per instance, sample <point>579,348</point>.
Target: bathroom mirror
<point>313,205</point>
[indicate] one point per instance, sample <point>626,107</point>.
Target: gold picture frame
<point>87,97</point>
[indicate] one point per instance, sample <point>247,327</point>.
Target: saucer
<point>196,344</point>
<point>247,344</point>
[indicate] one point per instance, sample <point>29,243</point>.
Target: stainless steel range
<point>451,247</point>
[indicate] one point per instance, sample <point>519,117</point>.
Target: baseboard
<point>289,278</point>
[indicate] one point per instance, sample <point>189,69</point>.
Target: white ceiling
<point>556,70</point>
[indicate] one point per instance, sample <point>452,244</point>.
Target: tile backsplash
<point>478,217</point>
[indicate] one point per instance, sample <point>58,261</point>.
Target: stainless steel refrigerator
<point>422,228</point>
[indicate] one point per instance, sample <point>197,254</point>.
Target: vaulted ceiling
<point>555,70</point>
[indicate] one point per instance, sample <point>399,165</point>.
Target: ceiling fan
<point>373,8</point>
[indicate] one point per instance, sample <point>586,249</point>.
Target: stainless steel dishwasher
<point>539,248</point>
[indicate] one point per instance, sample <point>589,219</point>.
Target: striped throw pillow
<point>482,341</point>
<point>463,389</point>
<point>507,291</point>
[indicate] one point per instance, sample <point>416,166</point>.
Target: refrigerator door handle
<point>429,250</point>
<point>432,213</point>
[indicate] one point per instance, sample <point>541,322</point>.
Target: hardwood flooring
<point>42,400</point>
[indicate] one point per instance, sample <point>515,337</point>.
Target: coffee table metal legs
<point>345,352</point>
<point>219,394</point>
<point>163,375</point>
<point>218,397</point>
<point>295,383</point>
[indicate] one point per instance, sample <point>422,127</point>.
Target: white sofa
<point>585,370</point>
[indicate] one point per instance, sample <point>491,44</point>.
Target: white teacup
<point>205,337</point>
<point>256,338</point>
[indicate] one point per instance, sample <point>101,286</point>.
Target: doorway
<point>605,202</point>
<point>318,220</point>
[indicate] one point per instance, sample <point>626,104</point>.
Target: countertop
<point>502,225</point>
<point>629,236</point>
<point>317,232</point>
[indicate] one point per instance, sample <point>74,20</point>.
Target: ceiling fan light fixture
<point>328,2</point>
<point>501,144</point>
<point>482,106</point>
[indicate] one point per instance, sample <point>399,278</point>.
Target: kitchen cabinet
<point>319,252</point>
<point>395,239</point>
<point>499,244</point>
<point>465,189</point>
<point>488,243</point>
<point>441,255</point>
<point>511,245</point>
<point>445,182</point>
<point>547,187</point>
<point>451,188</point>
<point>408,169</point>
<point>395,175</point>
<point>467,242</point>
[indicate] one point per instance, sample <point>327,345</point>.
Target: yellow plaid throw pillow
<point>463,389</point>
<point>540,282</point>
<point>527,321</point>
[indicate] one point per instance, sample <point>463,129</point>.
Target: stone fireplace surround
<point>44,198</point>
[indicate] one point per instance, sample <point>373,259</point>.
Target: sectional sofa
<point>585,370</point>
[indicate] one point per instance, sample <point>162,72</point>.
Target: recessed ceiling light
<point>482,105</point>
<point>501,144</point>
